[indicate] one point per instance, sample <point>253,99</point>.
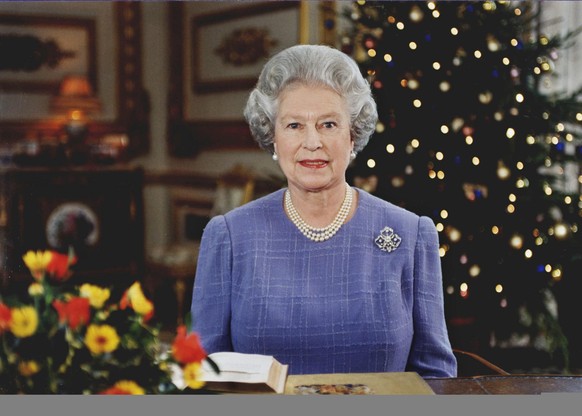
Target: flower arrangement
<point>77,340</point>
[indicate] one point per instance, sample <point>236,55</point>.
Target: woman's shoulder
<point>254,214</point>
<point>264,205</point>
<point>378,206</point>
<point>381,213</point>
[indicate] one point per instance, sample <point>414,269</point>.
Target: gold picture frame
<point>230,46</point>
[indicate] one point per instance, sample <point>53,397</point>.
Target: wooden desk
<point>511,384</point>
<point>396,384</point>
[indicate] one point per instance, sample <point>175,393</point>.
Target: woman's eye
<point>293,125</point>
<point>328,124</point>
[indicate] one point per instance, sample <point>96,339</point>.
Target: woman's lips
<point>313,164</point>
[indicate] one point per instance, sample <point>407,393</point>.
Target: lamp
<point>76,100</point>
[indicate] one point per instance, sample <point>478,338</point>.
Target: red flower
<point>58,267</point>
<point>5,317</point>
<point>75,312</point>
<point>187,348</point>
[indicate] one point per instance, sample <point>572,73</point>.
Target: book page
<point>238,367</point>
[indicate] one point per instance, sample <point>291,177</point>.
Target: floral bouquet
<point>76,340</point>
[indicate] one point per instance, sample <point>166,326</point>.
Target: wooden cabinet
<point>97,211</point>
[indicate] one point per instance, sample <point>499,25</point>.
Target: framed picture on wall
<point>41,45</point>
<point>211,63</point>
<point>231,46</point>
<point>224,48</point>
<point>38,51</point>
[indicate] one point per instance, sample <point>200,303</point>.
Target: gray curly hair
<point>311,65</point>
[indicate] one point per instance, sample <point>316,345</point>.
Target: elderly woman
<point>323,276</point>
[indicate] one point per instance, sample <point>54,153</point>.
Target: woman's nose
<point>312,141</point>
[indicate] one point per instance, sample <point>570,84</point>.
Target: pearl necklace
<point>319,234</point>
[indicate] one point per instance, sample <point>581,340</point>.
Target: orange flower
<point>58,267</point>
<point>28,368</point>
<point>75,312</point>
<point>5,317</point>
<point>187,348</point>
<point>114,390</point>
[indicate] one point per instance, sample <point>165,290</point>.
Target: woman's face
<point>312,138</point>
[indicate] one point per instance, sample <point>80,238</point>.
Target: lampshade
<point>75,93</point>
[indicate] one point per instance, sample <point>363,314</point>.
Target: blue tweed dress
<point>338,306</point>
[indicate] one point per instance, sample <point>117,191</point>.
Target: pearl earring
<point>275,157</point>
<point>352,155</point>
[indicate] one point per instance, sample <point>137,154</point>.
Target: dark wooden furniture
<point>476,375</point>
<point>471,364</point>
<point>508,384</point>
<point>97,211</point>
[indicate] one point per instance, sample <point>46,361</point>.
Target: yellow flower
<point>129,387</point>
<point>35,289</point>
<point>142,305</point>
<point>97,295</point>
<point>28,368</point>
<point>37,262</point>
<point>101,339</point>
<point>24,321</point>
<point>193,375</point>
<point>138,301</point>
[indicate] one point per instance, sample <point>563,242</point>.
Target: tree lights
<point>463,137</point>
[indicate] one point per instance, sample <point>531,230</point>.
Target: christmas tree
<point>469,135</point>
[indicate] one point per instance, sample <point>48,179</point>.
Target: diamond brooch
<point>388,240</point>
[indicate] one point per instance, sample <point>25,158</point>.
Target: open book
<point>245,373</point>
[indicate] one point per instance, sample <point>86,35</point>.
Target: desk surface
<point>511,384</point>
